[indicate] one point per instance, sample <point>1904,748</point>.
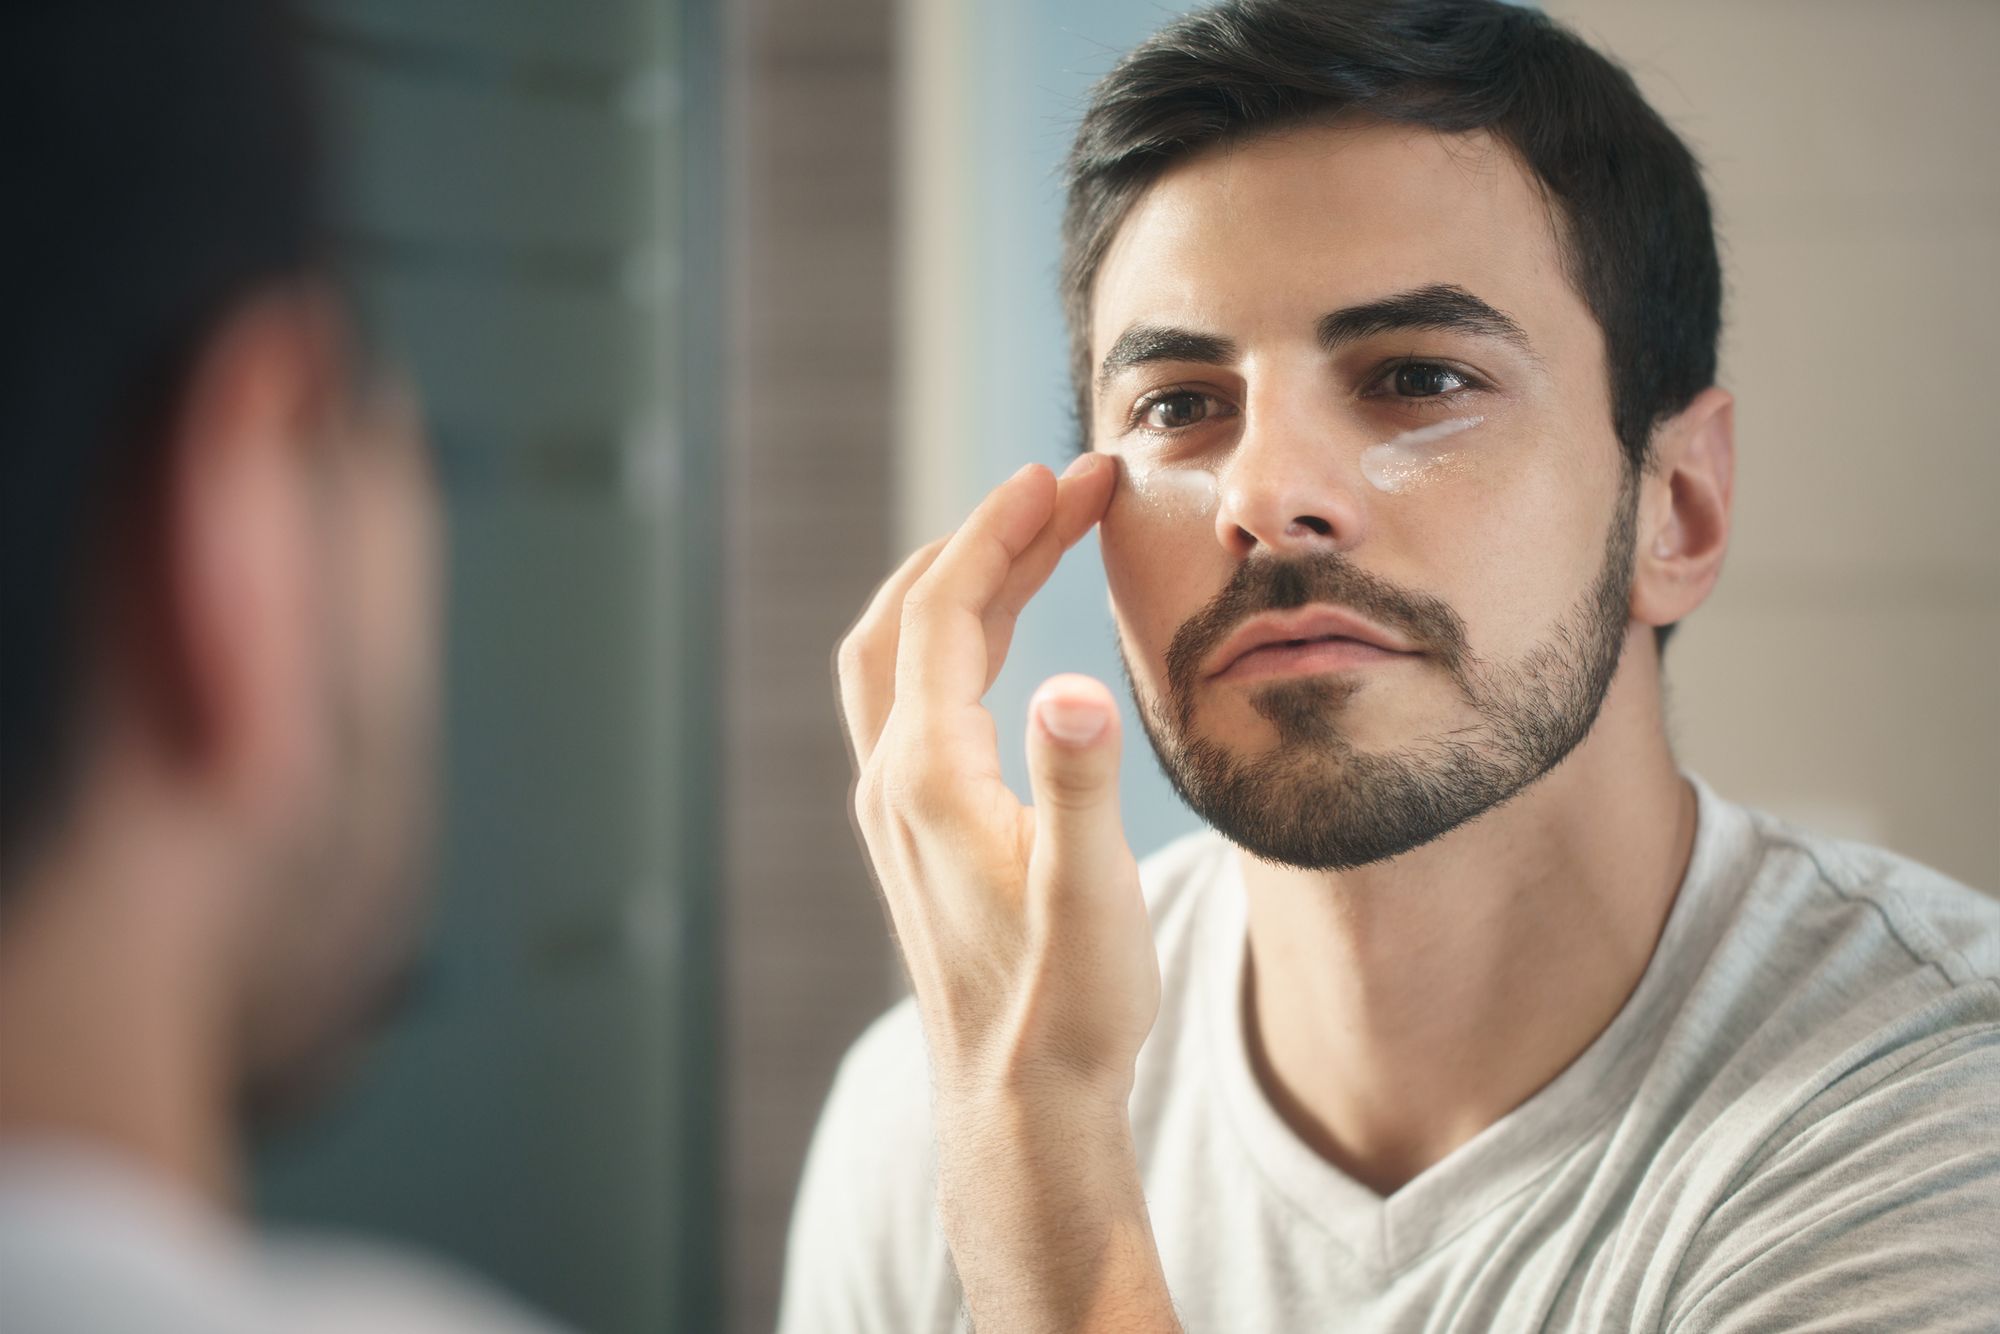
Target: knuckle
<point>851,655</point>
<point>933,770</point>
<point>1066,797</point>
<point>870,794</point>
<point>917,787</point>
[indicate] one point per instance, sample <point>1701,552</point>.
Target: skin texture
<point>1398,1007</point>
<point>229,900</point>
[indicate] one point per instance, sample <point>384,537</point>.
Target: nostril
<point>1313,524</point>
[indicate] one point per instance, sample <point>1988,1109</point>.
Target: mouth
<point>1309,641</point>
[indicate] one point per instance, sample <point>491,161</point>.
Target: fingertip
<point>1076,685</point>
<point>1074,709</point>
<point>1072,723</point>
<point>1029,480</point>
<point>1039,481</point>
<point>1091,469</point>
<point>1087,486</point>
<point>1082,465</point>
<point>1105,474</point>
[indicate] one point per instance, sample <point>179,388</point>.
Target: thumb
<point>1073,738</point>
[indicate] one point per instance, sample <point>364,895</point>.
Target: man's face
<point>1269,316</point>
<point>348,884</point>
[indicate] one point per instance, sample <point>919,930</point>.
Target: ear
<point>236,651</point>
<point>1684,510</point>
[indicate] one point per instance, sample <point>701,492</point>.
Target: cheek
<point>1158,544</point>
<point>1160,511</point>
<point>398,575</point>
<point>1513,546</point>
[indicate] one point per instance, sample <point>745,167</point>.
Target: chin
<point>289,1087</point>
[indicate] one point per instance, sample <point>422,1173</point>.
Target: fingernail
<point>1080,465</point>
<point>1077,722</point>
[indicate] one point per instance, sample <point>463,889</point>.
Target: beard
<point>348,947</point>
<point>1314,800</point>
<point>341,943</point>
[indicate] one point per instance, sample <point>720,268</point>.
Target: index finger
<point>865,662</point>
<point>942,660</point>
<point>1082,494</point>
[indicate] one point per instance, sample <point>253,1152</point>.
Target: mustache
<point>1271,584</point>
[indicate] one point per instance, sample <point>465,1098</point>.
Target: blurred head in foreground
<point>218,596</point>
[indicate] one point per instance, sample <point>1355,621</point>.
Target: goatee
<point>1313,799</point>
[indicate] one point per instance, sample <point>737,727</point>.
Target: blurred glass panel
<point>510,201</point>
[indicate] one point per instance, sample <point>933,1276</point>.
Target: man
<point>220,612</point>
<point>1394,343</point>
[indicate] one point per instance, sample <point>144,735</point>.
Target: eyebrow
<point>1439,308</point>
<point>1144,343</point>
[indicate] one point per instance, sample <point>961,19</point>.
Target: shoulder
<point>1873,1206</point>
<point>864,1250</point>
<point>341,1283</point>
<point>1844,1040</point>
<point>1823,944</point>
<point>889,1053</point>
<point>90,1244</point>
<point>1845,970</point>
<point>1931,919</point>
<point>876,1126</point>
<point>1889,972</point>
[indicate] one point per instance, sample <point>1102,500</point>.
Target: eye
<point>1175,409</point>
<point>1427,379</point>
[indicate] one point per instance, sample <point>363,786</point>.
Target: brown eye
<point>1424,379</point>
<point>1171,412</point>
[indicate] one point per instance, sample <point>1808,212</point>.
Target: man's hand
<point>1023,929</point>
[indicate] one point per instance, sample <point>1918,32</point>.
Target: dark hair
<point>1634,223</point>
<point>161,167</point>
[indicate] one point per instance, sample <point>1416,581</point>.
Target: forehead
<point>1285,226</point>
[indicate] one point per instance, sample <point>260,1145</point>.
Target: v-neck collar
<point>1385,1235</point>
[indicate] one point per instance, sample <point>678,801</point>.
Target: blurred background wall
<point>810,532</point>
<point>721,305</point>
<point>525,202</point>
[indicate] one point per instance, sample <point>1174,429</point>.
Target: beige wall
<point>1844,671</point>
<point>810,523</point>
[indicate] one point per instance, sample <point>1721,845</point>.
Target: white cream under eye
<point>1414,456</point>
<point>1178,491</point>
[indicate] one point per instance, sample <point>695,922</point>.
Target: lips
<point>1320,638</point>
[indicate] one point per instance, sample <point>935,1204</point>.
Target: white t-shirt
<point>1794,1122</point>
<point>93,1245</point>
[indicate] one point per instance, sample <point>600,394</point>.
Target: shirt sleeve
<point>865,1255</point>
<point>1884,1214</point>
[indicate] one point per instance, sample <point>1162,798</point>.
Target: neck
<point>113,1028</point>
<point>1397,1010</point>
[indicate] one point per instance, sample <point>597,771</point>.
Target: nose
<point>1290,488</point>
